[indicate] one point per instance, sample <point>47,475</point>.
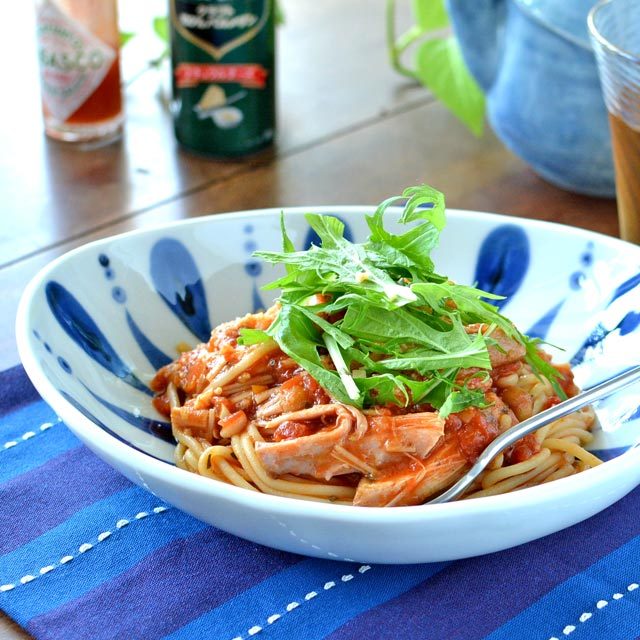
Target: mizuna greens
<point>374,323</point>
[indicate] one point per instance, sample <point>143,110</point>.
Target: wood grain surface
<point>351,131</point>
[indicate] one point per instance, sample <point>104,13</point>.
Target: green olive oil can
<point>223,57</point>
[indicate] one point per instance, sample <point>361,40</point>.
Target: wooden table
<point>351,131</point>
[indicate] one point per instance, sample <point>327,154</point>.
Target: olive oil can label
<point>220,28</point>
<point>223,59</point>
<point>73,61</point>
<point>247,75</point>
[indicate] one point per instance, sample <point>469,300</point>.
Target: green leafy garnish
<point>541,367</point>
<point>252,336</point>
<point>374,323</point>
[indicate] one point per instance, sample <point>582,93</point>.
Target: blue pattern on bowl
<point>503,262</point>
<point>156,358</point>
<point>83,330</point>
<point>541,328</point>
<point>87,414</point>
<point>149,425</point>
<point>627,323</point>
<point>154,355</point>
<point>577,280</point>
<point>253,268</point>
<point>178,282</point>
<point>507,259</point>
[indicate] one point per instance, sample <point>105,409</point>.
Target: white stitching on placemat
<point>9,444</point>
<point>83,548</point>
<point>347,577</point>
<point>587,615</point>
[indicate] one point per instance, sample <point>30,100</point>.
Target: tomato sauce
<point>566,380</point>
<point>551,402</point>
<point>161,404</point>
<point>522,450</point>
<point>472,430</point>
<point>505,370</point>
<point>282,368</point>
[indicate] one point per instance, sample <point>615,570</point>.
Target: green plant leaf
<point>459,400</point>
<point>441,68</point>
<point>430,14</point>
<point>161,28</point>
<point>381,325</point>
<point>252,336</point>
<point>278,13</point>
<point>125,36</point>
<point>300,339</point>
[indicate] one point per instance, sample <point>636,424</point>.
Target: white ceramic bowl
<point>94,325</point>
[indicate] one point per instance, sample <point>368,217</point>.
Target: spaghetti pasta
<point>378,456</point>
<point>373,381</point>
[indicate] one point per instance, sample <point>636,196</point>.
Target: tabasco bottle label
<point>223,54</point>
<point>73,61</point>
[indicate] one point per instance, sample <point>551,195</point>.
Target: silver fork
<point>536,422</point>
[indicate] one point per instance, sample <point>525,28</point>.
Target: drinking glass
<point>614,26</point>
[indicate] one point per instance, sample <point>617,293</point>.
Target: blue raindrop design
<point>156,357</point>
<point>176,278</point>
<point>253,268</point>
<point>313,238</point>
<point>148,425</point>
<point>594,338</point>
<point>586,259</point>
<point>575,280</point>
<point>65,365</point>
<point>87,414</point>
<point>103,259</point>
<point>119,295</point>
<point>626,286</point>
<point>629,322</point>
<point>257,303</point>
<point>80,327</point>
<point>503,262</point>
<point>541,328</point>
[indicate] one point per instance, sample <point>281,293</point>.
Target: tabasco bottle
<point>223,55</point>
<point>78,51</point>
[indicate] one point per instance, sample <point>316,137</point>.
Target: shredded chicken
<point>382,443</point>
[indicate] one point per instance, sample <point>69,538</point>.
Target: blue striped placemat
<point>86,554</point>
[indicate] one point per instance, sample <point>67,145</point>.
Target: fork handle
<point>514,434</point>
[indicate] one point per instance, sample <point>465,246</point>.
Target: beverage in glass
<point>614,27</point>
